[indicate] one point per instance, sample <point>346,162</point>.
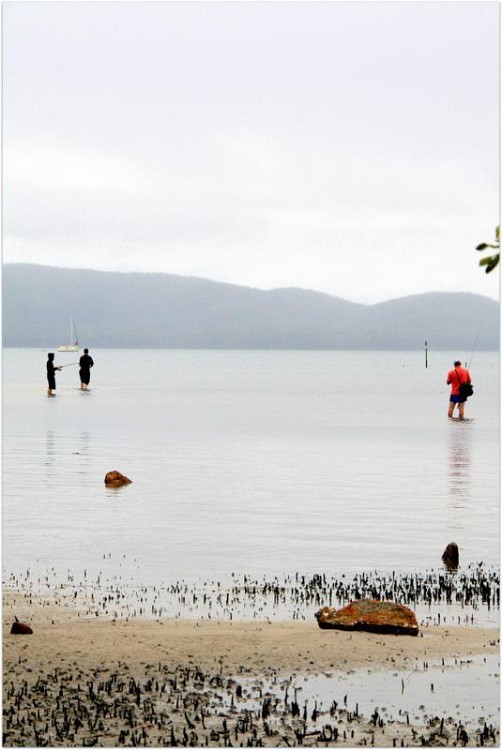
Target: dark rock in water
<point>450,556</point>
<point>20,628</point>
<point>116,479</point>
<point>371,615</point>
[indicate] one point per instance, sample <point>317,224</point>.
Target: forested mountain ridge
<point>157,310</point>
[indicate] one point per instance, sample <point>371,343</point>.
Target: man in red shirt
<point>455,378</point>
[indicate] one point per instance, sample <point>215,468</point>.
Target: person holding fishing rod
<point>459,378</point>
<point>51,376</point>
<point>51,369</point>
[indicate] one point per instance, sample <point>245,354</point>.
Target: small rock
<point>20,628</point>
<point>116,479</point>
<point>371,615</point>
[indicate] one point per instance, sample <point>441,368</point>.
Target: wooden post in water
<point>426,353</point>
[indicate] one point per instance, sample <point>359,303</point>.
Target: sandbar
<point>159,665</point>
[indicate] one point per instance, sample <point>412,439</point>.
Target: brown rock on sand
<point>116,479</point>
<point>20,628</point>
<point>371,615</point>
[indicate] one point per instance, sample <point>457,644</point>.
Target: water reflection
<point>60,449</point>
<point>83,451</point>
<point>460,462</point>
<point>50,448</point>
<point>83,444</point>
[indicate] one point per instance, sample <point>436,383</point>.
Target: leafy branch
<point>491,261</point>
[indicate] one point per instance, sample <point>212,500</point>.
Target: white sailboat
<point>74,347</point>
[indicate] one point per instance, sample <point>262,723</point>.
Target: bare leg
<point>461,410</point>
<point>451,407</point>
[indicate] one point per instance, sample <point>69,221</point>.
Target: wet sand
<point>91,681</point>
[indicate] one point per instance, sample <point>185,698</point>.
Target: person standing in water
<point>455,378</point>
<point>86,362</point>
<point>51,377</point>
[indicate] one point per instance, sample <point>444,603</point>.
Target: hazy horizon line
<point>245,286</point>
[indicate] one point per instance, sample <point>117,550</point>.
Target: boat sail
<point>74,347</point>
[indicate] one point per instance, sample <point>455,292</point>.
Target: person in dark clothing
<point>51,377</point>
<point>86,362</point>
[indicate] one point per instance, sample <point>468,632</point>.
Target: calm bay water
<point>249,461</point>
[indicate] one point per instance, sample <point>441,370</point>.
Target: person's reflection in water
<point>83,450</point>
<point>50,448</point>
<point>460,463</point>
<point>50,458</point>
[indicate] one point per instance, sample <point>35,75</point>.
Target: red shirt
<point>456,377</point>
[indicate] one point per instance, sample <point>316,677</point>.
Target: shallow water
<point>267,462</point>
<point>252,466</point>
<point>422,692</point>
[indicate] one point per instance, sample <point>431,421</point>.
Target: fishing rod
<point>69,365</point>
<point>473,349</point>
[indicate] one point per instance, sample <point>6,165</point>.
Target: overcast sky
<point>346,147</point>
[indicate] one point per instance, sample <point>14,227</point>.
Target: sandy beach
<point>78,680</point>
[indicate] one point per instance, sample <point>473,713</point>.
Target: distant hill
<point>156,310</point>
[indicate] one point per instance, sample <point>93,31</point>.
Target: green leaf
<point>483,246</point>
<point>493,264</point>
